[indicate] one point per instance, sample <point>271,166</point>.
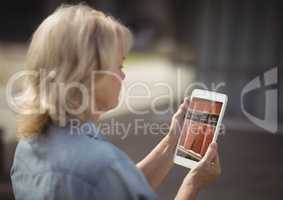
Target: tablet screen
<point>198,129</point>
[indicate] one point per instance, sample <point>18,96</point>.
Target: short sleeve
<point>122,180</point>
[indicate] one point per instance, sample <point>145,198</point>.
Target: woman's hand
<point>207,170</point>
<point>157,164</point>
<point>178,121</point>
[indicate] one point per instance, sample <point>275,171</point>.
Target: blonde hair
<point>71,42</point>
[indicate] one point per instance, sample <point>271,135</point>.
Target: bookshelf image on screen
<point>198,129</point>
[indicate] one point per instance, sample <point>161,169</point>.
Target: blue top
<point>66,163</point>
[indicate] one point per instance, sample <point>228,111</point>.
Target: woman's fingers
<point>186,103</point>
<point>180,114</point>
<point>183,107</point>
<point>178,118</point>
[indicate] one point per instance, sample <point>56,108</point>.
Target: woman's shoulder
<point>85,143</point>
<point>79,158</point>
<point>60,148</point>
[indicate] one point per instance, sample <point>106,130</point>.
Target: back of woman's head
<point>67,46</point>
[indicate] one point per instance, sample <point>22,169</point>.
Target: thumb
<point>211,152</point>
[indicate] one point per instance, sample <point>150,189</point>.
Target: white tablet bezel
<point>209,95</point>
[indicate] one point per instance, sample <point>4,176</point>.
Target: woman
<point>51,162</point>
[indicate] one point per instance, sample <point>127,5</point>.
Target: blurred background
<point>179,43</point>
